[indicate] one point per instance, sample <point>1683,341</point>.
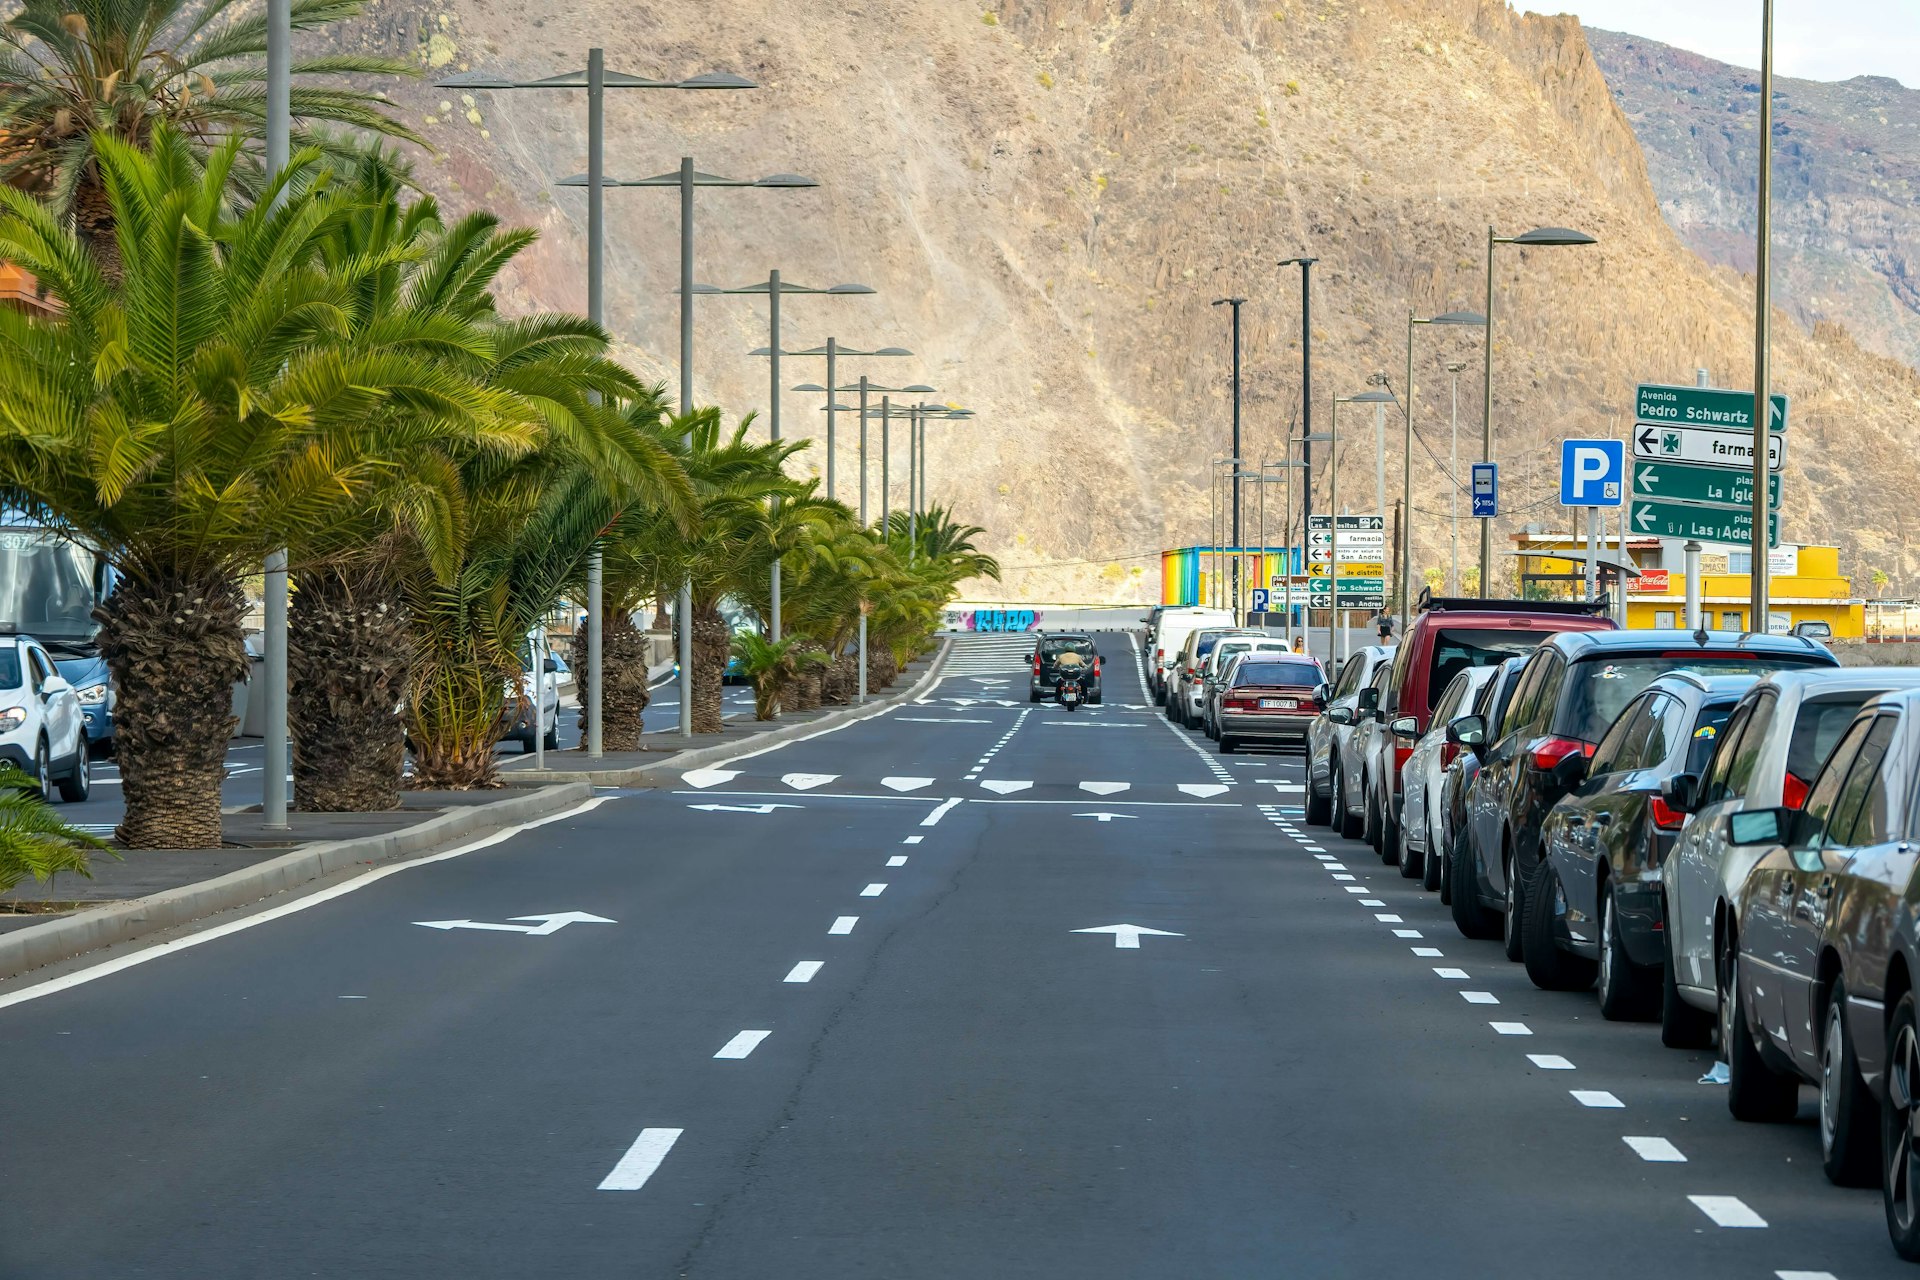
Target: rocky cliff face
<point>1846,174</point>
<point>1049,193</point>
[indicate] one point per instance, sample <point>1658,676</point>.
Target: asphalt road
<point>845,1019</point>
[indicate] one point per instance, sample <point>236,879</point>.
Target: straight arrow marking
<point>743,808</point>
<point>1126,937</point>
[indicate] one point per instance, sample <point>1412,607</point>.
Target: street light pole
<point>1405,569</point>
<point>1453,492</point>
<point>1238,544</point>
<point>1758,606</point>
<point>273,778</point>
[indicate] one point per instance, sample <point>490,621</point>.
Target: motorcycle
<point>1069,690</point>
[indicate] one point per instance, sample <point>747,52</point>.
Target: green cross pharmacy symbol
<point>1670,442</point>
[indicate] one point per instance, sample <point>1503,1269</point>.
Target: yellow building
<point>1805,583</point>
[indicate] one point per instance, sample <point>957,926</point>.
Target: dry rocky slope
<point>1846,174</point>
<point>1049,193</point>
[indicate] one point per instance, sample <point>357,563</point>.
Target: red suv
<point>1448,634</point>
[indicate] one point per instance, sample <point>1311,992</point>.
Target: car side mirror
<point>1340,715</point>
<point>1405,727</point>
<point>1467,731</point>
<point>1320,695</point>
<point>1751,827</point>
<point>1571,771</point>
<point>54,684</point>
<point>550,665</point>
<point>1682,792</point>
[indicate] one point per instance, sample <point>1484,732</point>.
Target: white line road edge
<point>120,963</point>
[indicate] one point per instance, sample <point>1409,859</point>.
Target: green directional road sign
<point>1703,407</point>
<point>1705,524</point>
<point>1713,486</point>
<point>1355,593</point>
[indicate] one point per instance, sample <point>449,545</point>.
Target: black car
<point>1572,689</point>
<point>1595,910</point>
<point>1490,704</point>
<point>1046,657</point>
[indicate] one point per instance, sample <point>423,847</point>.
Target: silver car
<point>1330,740</point>
<point>1422,820</point>
<point>1183,678</point>
<point>1772,746</point>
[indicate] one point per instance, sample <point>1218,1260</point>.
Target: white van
<point>1171,635</point>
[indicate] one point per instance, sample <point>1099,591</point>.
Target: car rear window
<point>1457,648</point>
<point>1054,648</point>
<point>1599,687</point>
<point>1273,673</point>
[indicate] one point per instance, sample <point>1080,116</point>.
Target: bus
<point>49,586</point>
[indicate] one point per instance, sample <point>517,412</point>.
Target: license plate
<point>1279,704</point>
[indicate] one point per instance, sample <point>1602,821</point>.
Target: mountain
<point>1048,194</point>
<point>1846,176</point>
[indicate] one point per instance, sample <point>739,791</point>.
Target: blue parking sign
<point>1593,473</point>
<point>1486,490</point>
<point>1260,599</point>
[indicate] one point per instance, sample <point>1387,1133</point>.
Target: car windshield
<point>1600,687</point>
<point>46,586</point>
<point>1818,726</point>
<point>1268,672</point>
<point>1456,649</point>
<point>1707,726</point>
<point>1070,644</point>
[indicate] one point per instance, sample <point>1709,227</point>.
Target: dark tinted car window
<point>1351,675</point>
<point>1456,649</point>
<point>1265,672</point>
<point>1715,780</point>
<point>1847,821</point>
<point>1450,699</point>
<point>1708,724</point>
<point>1826,788</point>
<point>1753,741</point>
<point>9,668</point>
<point>1599,685</point>
<point>1876,823</point>
<point>1620,740</point>
<point>1053,648</point>
<point>1818,726</point>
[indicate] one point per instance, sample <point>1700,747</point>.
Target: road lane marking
<point>1458,974</point>
<point>945,807</point>
<point>1336,866</point>
<point>1355,888</point>
<point>1427,951</point>
<point>913,840</point>
<point>1387,917</point>
<point>1596,1098</point>
<point>1406,933</point>
<point>1204,789</point>
<point>641,1160</point>
<point>1126,937</point>
<point>938,720</point>
<point>1341,876</point>
<point>873,891</point>
<point>804,971</point>
<point>807,781</point>
<point>1552,1062</point>
<point>1105,788</point>
<point>1002,787</point>
<point>1658,1150</point>
<point>708,777</point>
<point>897,860</point>
<point>1727,1211</point>
<point>1804,1275</point>
<point>843,924</point>
<point>1511,1028</point>
<point>743,1044</point>
<point>905,784</point>
<point>1479,997</point>
<point>1324,857</point>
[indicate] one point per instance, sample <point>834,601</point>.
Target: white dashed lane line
<point>1552,1062</point>
<point>1598,1098</point>
<point>843,924</point>
<point>804,971</point>
<point>1658,1150</point>
<point>742,1044</point>
<point>1511,1028</point>
<point>1727,1211</point>
<point>641,1160</point>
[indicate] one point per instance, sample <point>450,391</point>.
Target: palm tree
<point>33,840</point>
<point>71,70</point>
<point>206,406</point>
<point>937,539</point>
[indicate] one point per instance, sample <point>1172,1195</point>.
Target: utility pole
<point>1239,547</point>
<point>273,790</point>
<point>1763,304</point>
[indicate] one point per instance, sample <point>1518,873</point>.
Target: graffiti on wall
<point>993,619</point>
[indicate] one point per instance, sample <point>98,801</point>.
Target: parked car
<point>1148,625</point>
<point>1767,757</point>
<point>1819,969</point>
<point>1184,676</point>
<point>1217,672</point>
<point>42,727</point>
<point>1490,705</point>
<point>1425,770</point>
<point>539,669</point>
<point>1269,699</point>
<point>1367,756</point>
<point>1169,635</point>
<point>1573,688</point>
<point>1814,630</point>
<point>1330,736</point>
<point>1047,650</point>
<point>1447,635</point>
<point>1595,910</point>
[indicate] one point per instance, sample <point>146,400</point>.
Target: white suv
<point>42,730</point>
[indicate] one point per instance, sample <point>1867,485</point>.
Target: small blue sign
<point>1593,473</point>
<point>1486,490</point>
<point>1260,598</point>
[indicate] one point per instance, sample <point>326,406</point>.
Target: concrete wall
<point>1858,654</point>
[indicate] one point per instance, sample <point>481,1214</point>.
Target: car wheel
<point>1411,863</point>
<point>553,738</point>
<point>77,784</point>
<point>43,772</point>
<point>1470,915</point>
<point>1227,745</point>
<point>1346,822</point>
<point>1390,850</point>
<point>1033,695</point>
<point>1369,816</point>
<point>1899,1115</point>
<point>1510,932</point>
<point>1681,1025</point>
<point>1319,808</point>
<point>1548,966</point>
<point>1439,869</point>
<point>1627,990</point>
<point>1849,1140</point>
<point>1755,1091</point>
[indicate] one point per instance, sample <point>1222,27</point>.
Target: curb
<point>39,945</point>
<point>669,768</point>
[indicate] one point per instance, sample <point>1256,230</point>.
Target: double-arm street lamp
<point>1238,544</point>
<point>832,351</point>
<point>1463,319</point>
<point>1539,237</point>
<point>1286,467</point>
<point>928,411</point>
<point>885,414</point>
<point>596,79</point>
<point>1337,634</point>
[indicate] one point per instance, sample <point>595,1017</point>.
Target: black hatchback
<point>1047,651</point>
<point>1596,909</point>
<point>1572,689</point>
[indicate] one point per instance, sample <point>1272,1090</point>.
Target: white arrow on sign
<point>1104,817</point>
<point>552,923</point>
<point>742,808</point>
<point>1126,937</point>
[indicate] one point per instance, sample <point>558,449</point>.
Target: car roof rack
<point>1471,604</point>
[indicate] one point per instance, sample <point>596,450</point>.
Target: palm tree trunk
<point>347,662</point>
<point>842,680</point>
<point>93,219</point>
<point>174,645</point>
<point>623,692</point>
<point>711,641</point>
<point>882,670</point>
<point>453,718</point>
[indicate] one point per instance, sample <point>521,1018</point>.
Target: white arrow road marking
<point>1104,817</point>
<point>743,808</point>
<point>1105,788</point>
<point>1661,1151</point>
<point>906,784</point>
<point>552,923</point>
<point>963,702</point>
<point>1126,937</point>
<point>1203,789</point>
<point>704,778</point>
<point>641,1160</point>
<point>807,781</point>
<point>1004,788</point>
<point>743,1044</point>
<point>1727,1211</point>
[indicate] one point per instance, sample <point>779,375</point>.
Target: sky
<point>1812,39</point>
